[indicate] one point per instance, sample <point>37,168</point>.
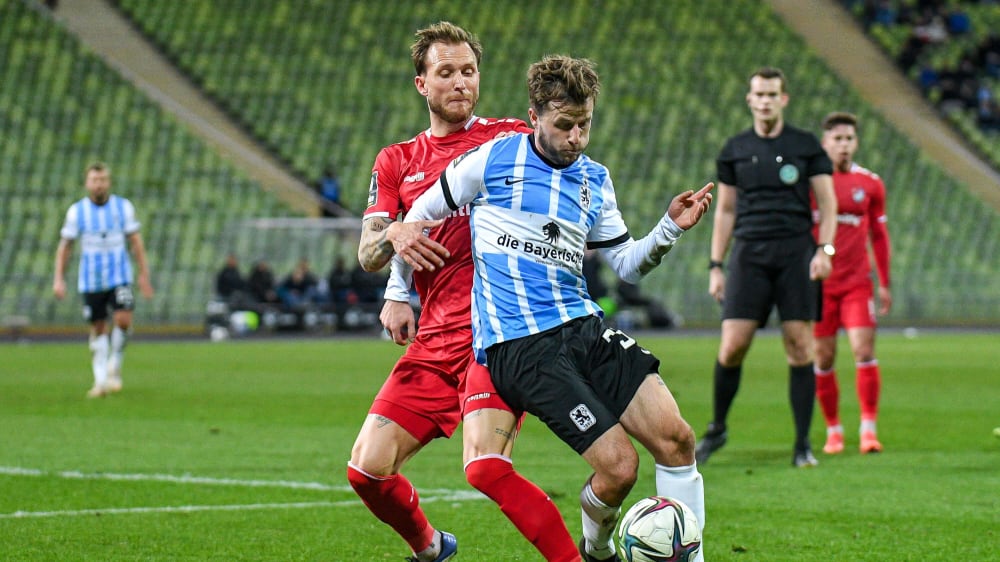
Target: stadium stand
<point>951,50</point>
<point>318,82</point>
<point>60,108</point>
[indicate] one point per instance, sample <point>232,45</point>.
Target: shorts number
<point>123,296</point>
<point>624,340</point>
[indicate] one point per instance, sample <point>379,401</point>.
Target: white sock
<point>867,425</point>
<point>684,483</point>
<point>99,358</point>
<point>830,430</point>
<point>599,521</point>
<point>119,338</point>
<point>431,552</point>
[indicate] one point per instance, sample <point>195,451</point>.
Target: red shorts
<point>850,308</point>
<point>424,391</point>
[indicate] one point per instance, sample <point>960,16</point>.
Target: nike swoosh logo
<point>512,181</point>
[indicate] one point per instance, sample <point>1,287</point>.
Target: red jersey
<point>860,215</point>
<point>405,170</point>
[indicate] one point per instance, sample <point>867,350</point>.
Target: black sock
<point>802,395</point>
<point>727,382</point>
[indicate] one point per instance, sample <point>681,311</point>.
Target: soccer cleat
<point>869,443</point>
<point>449,547</point>
<point>804,459</point>
<point>96,392</point>
<point>834,443</point>
<point>713,440</point>
<point>590,558</point>
<point>114,382</point>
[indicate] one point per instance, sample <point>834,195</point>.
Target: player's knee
<point>363,481</point>
<point>481,474</point>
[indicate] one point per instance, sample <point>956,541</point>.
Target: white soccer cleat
<point>96,392</point>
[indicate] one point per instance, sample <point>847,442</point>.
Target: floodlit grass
<point>237,451</point>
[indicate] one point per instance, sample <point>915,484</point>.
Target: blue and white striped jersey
<point>530,225</point>
<point>102,231</point>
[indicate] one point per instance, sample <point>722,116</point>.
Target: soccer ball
<point>658,529</point>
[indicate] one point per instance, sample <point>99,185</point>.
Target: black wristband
<point>712,264</point>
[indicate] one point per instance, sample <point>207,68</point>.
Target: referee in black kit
<point>765,177</point>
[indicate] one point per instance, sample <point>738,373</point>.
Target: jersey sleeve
<point>819,162</point>
<point>131,222</point>
<point>879,232</point>
<point>383,192</point>
<point>724,165</point>
<point>609,229</point>
<point>457,186</point>
<point>71,226</point>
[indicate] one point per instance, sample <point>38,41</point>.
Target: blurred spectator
<point>329,189</point>
<point>261,284</point>
<point>657,313</point>
<point>368,286</point>
<point>299,288</point>
<point>229,282</point>
<point>339,283</point>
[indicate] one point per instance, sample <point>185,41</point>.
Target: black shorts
<point>577,378</point>
<point>765,273</point>
<point>96,305</point>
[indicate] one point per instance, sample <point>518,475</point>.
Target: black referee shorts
<point>577,378</point>
<point>766,273</point>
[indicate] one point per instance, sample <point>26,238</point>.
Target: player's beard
<point>553,153</point>
<point>451,115</point>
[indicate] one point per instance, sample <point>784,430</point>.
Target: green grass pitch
<point>237,451</point>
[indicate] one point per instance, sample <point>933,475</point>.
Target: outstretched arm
<point>635,258</point>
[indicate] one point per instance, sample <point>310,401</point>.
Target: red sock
<point>395,502</point>
<point>828,395</point>
<point>525,504</point>
<point>869,384</point>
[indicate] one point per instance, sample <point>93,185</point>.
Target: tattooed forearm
<point>382,421</point>
<point>374,251</point>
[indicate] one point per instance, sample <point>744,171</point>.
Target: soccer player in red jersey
<point>436,382</point>
<point>847,294</point>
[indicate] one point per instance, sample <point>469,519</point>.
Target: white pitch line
<point>456,496</point>
<point>427,496</point>
<point>171,509</point>
<point>188,479</point>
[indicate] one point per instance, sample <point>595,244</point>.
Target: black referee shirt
<point>772,178</point>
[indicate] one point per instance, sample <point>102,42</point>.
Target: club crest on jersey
<point>858,194</point>
<point>582,417</point>
<point>373,190</point>
<point>585,195</point>
<point>551,232</point>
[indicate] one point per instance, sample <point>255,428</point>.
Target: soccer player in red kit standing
<point>436,382</point>
<point>847,293</point>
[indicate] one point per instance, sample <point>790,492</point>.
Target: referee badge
<point>582,417</point>
<point>789,174</point>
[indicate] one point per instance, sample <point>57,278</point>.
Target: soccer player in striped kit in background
<point>107,228</point>
<point>847,294</point>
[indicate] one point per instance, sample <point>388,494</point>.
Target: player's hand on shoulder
<point>410,241</point>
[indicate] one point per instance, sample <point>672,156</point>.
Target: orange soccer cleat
<point>869,443</point>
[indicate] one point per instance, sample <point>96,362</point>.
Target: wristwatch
<point>828,249</point>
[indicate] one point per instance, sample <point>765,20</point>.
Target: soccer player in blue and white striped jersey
<point>537,202</point>
<point>107,228</point>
